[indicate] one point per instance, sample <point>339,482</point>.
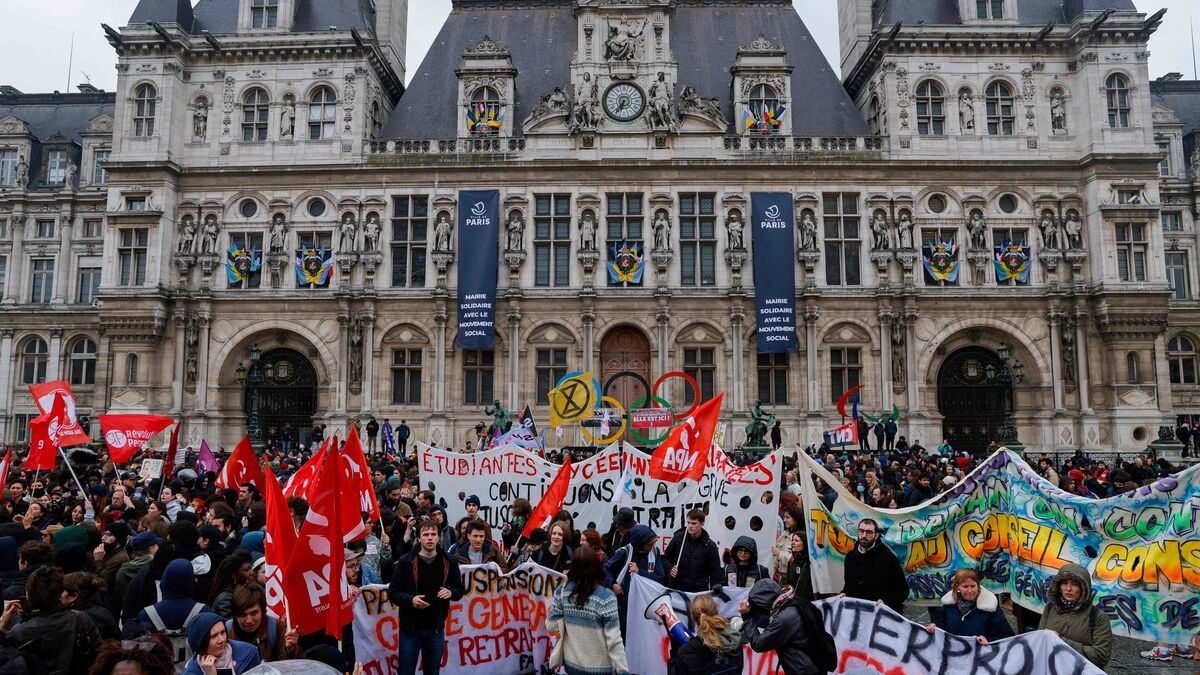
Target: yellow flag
<point>573,399</point>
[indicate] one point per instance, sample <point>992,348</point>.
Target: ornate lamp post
<point>252,379</point>
<point>1006,375</point>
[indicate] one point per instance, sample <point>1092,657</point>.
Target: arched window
<point>322,114</point>
<point>256,113</point>
<point>1181,360</point>
<point>145,106</point>
<point>33,361</point>
<point>83,362</point>
<point>131,369</point>
<point>376,120</point>
<point>765,106</point>
<point>485,112</point>
<point>931,109</point>
<point>873,121</point>
<point>1117,89</point>
<point>1131,368</point>
<point>1001,121</point>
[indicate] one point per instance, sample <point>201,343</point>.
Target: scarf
<point>1069,605</point>
<point>965,607</point>
<point>225,660</point>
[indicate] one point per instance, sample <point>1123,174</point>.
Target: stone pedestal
<point>907,257</point>
<point>881,259</point>
<point>979,259</point>
<point>808,260</point>
<point>371,261</point>
<point>735,258</point>
<point>1166,446</point>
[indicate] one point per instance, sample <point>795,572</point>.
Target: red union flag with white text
<point>314,583</point>
<point>241,467</point>
<point>684,455</point>
<point>304,481</point>
<point>279,542</point>
<point>126,434</point>
<point>64,428</point>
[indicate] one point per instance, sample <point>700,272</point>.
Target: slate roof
<point>1029,12</point>
<point>705,35</point>
<point>1183,97</point>
<point>221,16</point>
<point>56,115</point>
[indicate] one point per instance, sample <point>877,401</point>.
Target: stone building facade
<point>281,131</point>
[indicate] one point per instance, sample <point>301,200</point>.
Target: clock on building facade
<point>624,102</point>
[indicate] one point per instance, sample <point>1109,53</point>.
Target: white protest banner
<point>594,485</point>
<point>376,632</point>
<point>869,638</point>
<point>151,468</point>
<point>496,476</point>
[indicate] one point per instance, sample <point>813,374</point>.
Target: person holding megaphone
<point>717,650</point>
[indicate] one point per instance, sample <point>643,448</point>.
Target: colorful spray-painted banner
<point>1141,549</point>
<point>740,500</point>
<point>497,628</point>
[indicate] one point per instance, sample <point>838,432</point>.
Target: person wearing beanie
<point>472,505</point>
<point>213,651</point>
<point>142,549</point>
<point>253,542</point>
<point>111,554</point>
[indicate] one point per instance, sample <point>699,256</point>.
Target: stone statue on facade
<point>623,39</point>
<point>966,111</point>
<point>880,241</point>
<point>69,174</point>
<point>200,120</point>
<point>760,421</point>
<point>808,233</point>
<point>516,232</point>
<point>349,234</point>
<point>587,104</point>
<point>187,235</point>
<point>690,100</point>
<point>1058,112</point>
<point>287,119</point>
<point>662,231</point>
<point>978,230</point>
<point>501,418</point>
<point>904,231</point>
<point>212,229</point>
<point>22,173</point>
<point>356,338</point>
<point>279,230</point>
<point>1196,162</point>
<point>1074,229</point>
<point>661,110</point>
<point>587,231</point>
<point>441,234</point>
<point>1049,230</point>
<point>897,351</point>
<point>736,228</point>
<point>371,234</point>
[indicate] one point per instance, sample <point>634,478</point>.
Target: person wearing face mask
<point>970,610</point>
<point>1071,615</point>
<point>872,571</point>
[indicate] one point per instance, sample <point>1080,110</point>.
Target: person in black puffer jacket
<point>780,629</point>
<point>693,562</point>
<point>58,639</point>
<point>742,569</point>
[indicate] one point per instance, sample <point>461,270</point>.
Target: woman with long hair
<point>84,591</point>
<point>556,554</point>
<point>60,639</point>
<point>584,615</point>
<point>716,648</point>
<point>233,571</point>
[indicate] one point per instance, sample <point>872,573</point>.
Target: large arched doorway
<point>288,399</point>
<point>625,350</point>
<point>972,403</point>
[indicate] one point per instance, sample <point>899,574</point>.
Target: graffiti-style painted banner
<point>1142,548</point>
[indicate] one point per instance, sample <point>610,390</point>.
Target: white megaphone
<point>660,609</point>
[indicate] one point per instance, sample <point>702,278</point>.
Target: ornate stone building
<point>983,179</point>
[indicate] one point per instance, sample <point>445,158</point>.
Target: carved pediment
<point>406,334</point>
<point>700,334</point>
<point>761,45</point>
<point>486,47</point>
<point>846,332</point>
<point>552,333</point>
<point>100,124</point>
<point>13,125</point>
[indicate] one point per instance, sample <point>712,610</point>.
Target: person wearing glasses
<point>873,572</point>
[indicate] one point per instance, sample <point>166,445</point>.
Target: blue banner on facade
<point>478,262</point>
<point>774,231</point>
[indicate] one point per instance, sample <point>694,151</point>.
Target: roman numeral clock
<point>624,102</point>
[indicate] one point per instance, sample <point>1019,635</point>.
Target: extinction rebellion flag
<point>774,231</point>
<point>478,249</point>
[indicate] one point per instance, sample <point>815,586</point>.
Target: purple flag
<point>206,461</point>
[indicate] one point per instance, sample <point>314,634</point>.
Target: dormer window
<point>322,114</point>
<point>56,167</point>
<point>766,109</point>
<point>145,104</point>
<point>264,13</point>
<point>8,167</point>
<point>484,116</point>
<point>989,9</point>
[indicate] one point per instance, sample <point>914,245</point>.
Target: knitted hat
<point>198,628</point>
<point>120,530</point>
<point>253,542</point>
<point>75,534</point>
<point>473,500</point>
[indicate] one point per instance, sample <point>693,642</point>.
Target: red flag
<point>4,466</point>
<point>174,456</point>
<point>66,430</point>
<point>685,452</point>
<point>43,435</point>
<point>126,434</point>
<point>356,477</point>
<point>314,582</point>
<point>304,481</point>
<point>280,539</point>
<point>552,501</point>
<point>241,467</point>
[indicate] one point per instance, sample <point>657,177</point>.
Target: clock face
<point>624,102</point>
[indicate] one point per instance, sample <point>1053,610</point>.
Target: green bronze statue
<point>760,422</point>
<point>501,418</point>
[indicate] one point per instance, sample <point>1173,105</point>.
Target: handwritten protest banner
<point>497,628</point>
<point>1141,548</point>
<point>869,638</point>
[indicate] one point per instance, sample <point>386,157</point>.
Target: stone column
<point>343,361</point>
<point>180,348</point>
<point>439,363</point>
<point>6,379</point>
<point>62,263</point>
<point>1056,357</point>
<point>589,336</point>
<point>514,356</point>
<point>739,365</point>
<point>810,362</point>
<point>1161,369</point>
<point>368,363</point>
<point>664,323</point>
<point>910,357</point>
<point>54,364</point>
<point>14,286</point>
<point>885,360</point>
<point>202,365</point>
<point>1081,358</point>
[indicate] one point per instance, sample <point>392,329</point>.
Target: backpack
<point>180,651</point>
<point>821,647</point>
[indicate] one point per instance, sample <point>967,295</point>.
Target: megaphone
<point>660,609</point>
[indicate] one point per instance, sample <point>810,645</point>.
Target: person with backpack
<point>213,652</point>
<point>715,650</point>
<point>775,620</point>
<point>253,625</point>
<point>170,615</point>
<point>1071,615</point>
<point>53,638</point>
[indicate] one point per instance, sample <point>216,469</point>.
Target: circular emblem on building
<point>624,102</point>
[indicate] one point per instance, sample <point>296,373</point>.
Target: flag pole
<point>86,501</point>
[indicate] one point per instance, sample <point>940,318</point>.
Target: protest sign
<point>498,627</point>
<point>496,476</point>
<point>869,638</point>
<point>151,469</point>
<point>1016,529</point>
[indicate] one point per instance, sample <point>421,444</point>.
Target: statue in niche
<point>200,120</point>
<point>1058,112</point>
<point>356,338</point>
<point>662,231</point>
<point>587,231</point>
<point>516,232</point>
<point>212,228</point>
<point>808,232</point>
<point>22,173</point>
<point>735,228</point>
<point>897,351</point>
<point>966,111</point>
<point>661,110</point>
<point>371,234</point>
<point>623,39</point>
<point>904,230</point>
<point>587,104</point>
<point>279,230</point>
<point>1196,162</point>
<point>69,174</point>
<point>349,233</point>
<point>287,119</point>
<point>441,233</point>
<point>187,235</point>
<point>880,241</point>
<point>1049,230</point>
<point>978,230</point>
<point>1074,228</point>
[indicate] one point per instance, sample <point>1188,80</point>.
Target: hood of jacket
<point>746,543</point>
<point>762,595</point>
<point>729,639</point>
<point>1080,575</point>
<point>177,580</point>
<point>639,535</point>
<point>987,600</point>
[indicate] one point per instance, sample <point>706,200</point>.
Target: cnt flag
<point>684,455</point>
<point>126,434</point>
<point>241,467</point>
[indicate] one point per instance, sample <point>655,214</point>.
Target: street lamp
<point>1008,373</point>
<point>252,379</point>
